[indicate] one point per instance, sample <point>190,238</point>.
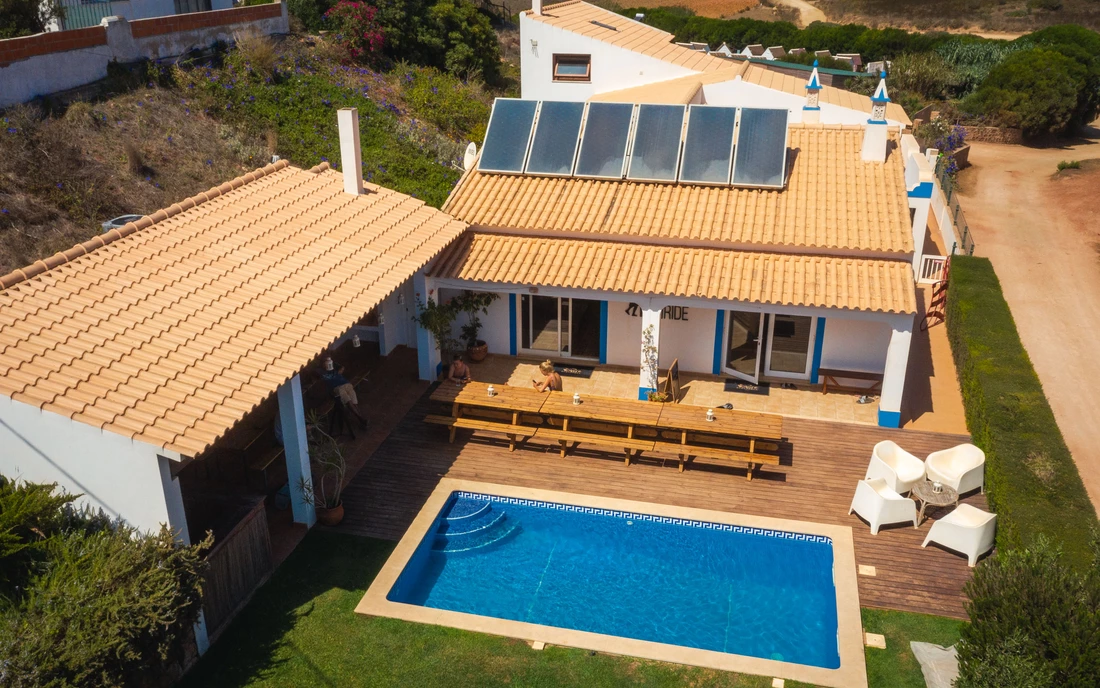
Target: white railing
<point>931,269</point>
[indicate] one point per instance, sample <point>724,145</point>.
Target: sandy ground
<point>1042,232</point>
<point>808,13</point>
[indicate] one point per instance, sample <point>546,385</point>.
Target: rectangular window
<point>572,68</point>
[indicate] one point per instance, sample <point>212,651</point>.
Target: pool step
<point>490,537</point>
<point>468,522</point>
<point>462,510</point>
<point>487,528</point>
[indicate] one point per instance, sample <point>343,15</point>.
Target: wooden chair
<point>671,387</point>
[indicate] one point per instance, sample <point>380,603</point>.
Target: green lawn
<point>301,630</point>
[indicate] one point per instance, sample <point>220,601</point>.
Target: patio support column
<point>893,379</point>
<point>651,341</point>
<point>292,419</point>
<point>427,354</point>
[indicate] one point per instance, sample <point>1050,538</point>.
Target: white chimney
<point>536,7</point>
<point>351,152</point>
<point>875,133</point>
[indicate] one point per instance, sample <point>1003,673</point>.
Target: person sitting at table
<point>551,381</point>
<point>460,372</point>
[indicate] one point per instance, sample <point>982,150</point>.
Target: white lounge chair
<point>900,469</point>
<point>966,529</point>
<point>961,467</point>
<point>878,504</point>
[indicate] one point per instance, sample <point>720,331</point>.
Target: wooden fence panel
<point>239,564</point>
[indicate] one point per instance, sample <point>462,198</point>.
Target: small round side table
<point>924,494</point>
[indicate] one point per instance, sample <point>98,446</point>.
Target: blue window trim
<point>603,332</point>
<point>818,339</point>
<point>719,326</point>
<point>512,341</point>
<point>889,419</point>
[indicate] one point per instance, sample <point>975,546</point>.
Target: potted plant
<point>659,397</point>
<point>474,304</point>
<point>324,492</point>
<point>437,319</point>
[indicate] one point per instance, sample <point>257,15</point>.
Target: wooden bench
<point>687,452</point>
<point>514,432</point>
<point>830,376</point>
<point>565,437</point>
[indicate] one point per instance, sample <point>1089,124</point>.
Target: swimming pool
<point>627,571</point>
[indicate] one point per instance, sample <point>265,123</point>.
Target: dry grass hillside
<point>1011,16</point>
<point>61,176</point>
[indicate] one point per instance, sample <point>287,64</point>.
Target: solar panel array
<point>693,144</point>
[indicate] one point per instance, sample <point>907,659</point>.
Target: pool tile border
<point>851,674</point>
<point>636,516</point>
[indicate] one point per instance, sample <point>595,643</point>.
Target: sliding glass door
<point>559,327</point>
<point>791,345</point>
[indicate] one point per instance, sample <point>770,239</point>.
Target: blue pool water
<point>716,587</point>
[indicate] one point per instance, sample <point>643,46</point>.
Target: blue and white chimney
<point>875,133</point>
<point>811,111</point>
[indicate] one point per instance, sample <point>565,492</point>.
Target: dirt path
<point>1042,233</point>
<point>808,13</point>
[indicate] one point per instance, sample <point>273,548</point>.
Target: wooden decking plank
<point>815,481</point>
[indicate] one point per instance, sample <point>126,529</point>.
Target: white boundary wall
<point>42,74</point>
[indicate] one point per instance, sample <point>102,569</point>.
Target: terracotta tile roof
<point>581,18</point>
<point>683,89</point>
<point>833,200</point>
<point>768,278</point>
<point>186,320</point>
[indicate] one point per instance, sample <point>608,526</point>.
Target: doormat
<point>569,370</point>
<point>744,387</point>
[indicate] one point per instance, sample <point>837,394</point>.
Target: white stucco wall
<point>613,68</point>
<point>125,478</point>
<point>494,325</point>
<point>855,344</point>
<point>691,340</point>
<point>624,335</point>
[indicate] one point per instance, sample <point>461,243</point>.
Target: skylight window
<point>572,68</point>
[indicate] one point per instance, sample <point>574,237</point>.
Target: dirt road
<point>1042,233</point>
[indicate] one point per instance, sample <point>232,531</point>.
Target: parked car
<point>119,221</point>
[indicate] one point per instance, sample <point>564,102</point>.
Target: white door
<point>742,355</point>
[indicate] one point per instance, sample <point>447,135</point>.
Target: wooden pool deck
<point>814,482</point>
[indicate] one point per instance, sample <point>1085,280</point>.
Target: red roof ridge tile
<point>60,258</point>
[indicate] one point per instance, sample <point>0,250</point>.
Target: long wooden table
<point>475,395</point>
<point>618,420</point>
<point>696,435</point>
<point>623,414</point>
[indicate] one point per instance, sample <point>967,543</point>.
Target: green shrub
<point>451,35</point>
<point>1046,5</point>
<point>102,605</point>
<point>459,109</point>
<point>1033,622</point>
<point>1069,165</point>
<point>310,12</point>
<point>1031,479</point>
<point>1034,89</point>
<point>300,105</point>
<point>927,75</point>
<point>27,17</point>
